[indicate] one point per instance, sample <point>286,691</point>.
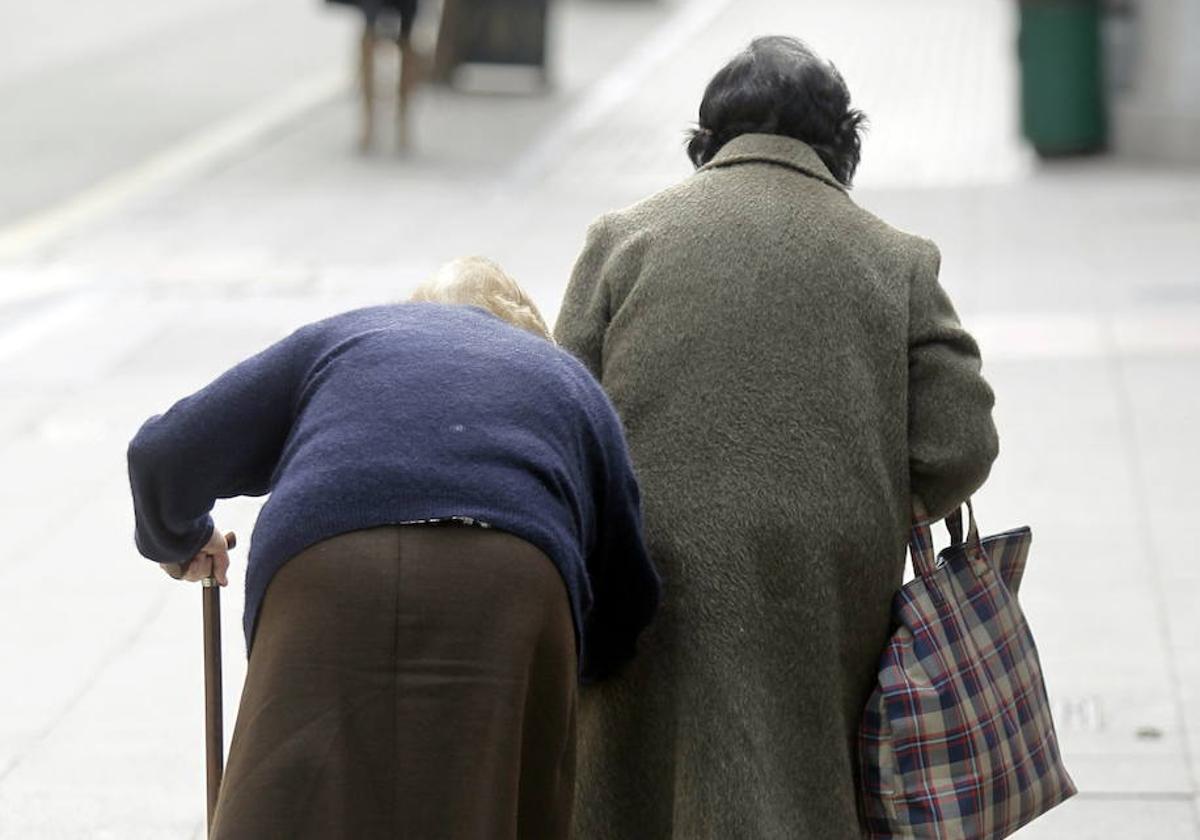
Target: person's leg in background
<point>366,80</point>
<point>410,71</point>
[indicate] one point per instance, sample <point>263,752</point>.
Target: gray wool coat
<point>789,371</point>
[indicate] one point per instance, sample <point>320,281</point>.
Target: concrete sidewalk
<point>1079,280</point>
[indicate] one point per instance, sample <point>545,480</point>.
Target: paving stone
<point>1078,279</point>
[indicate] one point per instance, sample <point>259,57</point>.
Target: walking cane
<point>214,721</point>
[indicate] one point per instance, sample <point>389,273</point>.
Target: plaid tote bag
<point>957,739</point>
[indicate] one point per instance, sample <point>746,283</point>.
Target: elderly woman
<point>453,533</point>
<point>792,379</point>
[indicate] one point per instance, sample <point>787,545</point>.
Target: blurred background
<point>181,184</point>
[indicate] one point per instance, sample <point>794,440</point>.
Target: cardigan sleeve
<point>952,438</point>
<point>223,441</point>
<point>626,588</point>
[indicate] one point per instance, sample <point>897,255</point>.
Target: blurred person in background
<point>794,384</point>
<point>453,538</point>
<point>385,21</point>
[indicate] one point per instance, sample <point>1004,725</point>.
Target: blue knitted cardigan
<point>407,412</point>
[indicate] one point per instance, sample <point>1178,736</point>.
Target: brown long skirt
<point>408,682</point>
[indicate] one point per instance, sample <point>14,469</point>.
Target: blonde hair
<point>477,281</point>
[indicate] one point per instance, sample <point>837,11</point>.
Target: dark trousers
<point>408,682</point>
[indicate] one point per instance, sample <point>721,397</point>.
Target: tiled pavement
<point>1079,281</point>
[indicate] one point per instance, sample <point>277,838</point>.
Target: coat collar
<point>773,148</point>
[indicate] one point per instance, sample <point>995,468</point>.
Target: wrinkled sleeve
<point>626,588</point>
<point>586,309</point>
<point>222,441</point>
<point>951,436</point>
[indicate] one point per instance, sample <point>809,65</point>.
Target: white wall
<point>1156,104</point>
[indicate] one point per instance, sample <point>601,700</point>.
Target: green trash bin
<point>1062,76</point>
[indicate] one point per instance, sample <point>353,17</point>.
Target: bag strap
<point>920,546</point>
<point>955,526</point>
<point>920,543</point>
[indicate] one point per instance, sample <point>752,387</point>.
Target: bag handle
<point>954,526</point>
<point>920,543</point>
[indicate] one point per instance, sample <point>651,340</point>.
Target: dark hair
<point>778,85</point>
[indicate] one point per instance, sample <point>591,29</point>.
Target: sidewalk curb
<point>178,163</point>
